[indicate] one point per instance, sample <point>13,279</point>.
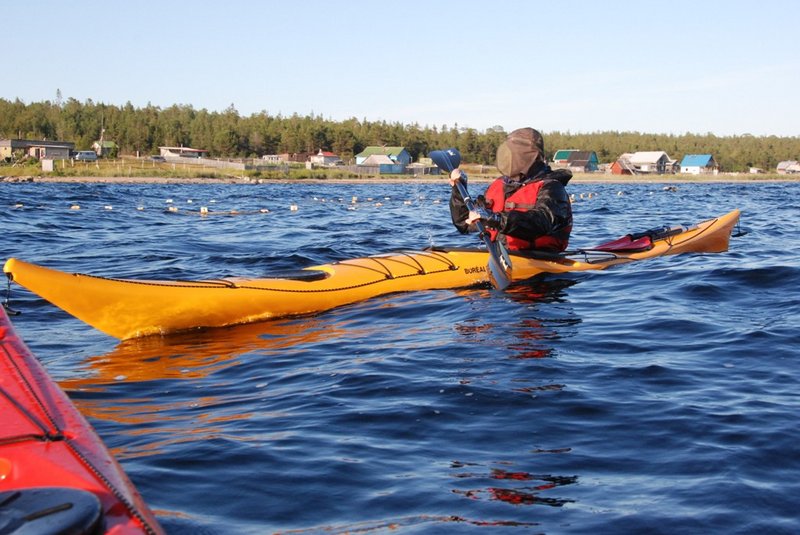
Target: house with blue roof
<point>699,164</point>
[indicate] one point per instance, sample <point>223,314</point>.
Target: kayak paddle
<point>499,267</point>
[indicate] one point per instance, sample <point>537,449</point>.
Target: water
<point>658,397</point>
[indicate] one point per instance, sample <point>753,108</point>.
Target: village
<point>372,161</point>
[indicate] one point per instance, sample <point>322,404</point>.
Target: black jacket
<point>553,211</point>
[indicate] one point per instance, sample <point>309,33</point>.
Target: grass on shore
<point>141,168</point>
<point>131,167</point>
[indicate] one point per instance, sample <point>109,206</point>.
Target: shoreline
<point>577,179</point>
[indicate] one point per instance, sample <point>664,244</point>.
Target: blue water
<point>657,397</point>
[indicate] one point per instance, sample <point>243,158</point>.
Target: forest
<point>228,134</point>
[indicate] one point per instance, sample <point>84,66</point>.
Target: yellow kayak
<point>126,308</point>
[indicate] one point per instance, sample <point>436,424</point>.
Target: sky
<point>726,67</point>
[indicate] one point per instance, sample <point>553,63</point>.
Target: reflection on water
<point>410,522</point>
<point>200,354</point>
<point>528,494</point>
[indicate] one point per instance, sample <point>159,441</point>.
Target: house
<point>50,150</point>
<point>378,159</point>
<point>398,155</point>
<point>582,161</point>
<point>623,165</point>
<point>651,162</point>
<point>325,158</point>
<point>788,167</point>
<point>175,153</point>
<point>696,164</point>
<point>561,157</point>
<point>294,157</point>
<point>576,160</point>
<point>105,148</point>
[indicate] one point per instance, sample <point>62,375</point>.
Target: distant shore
<point>584,178</point>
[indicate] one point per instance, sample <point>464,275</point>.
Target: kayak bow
<point>126,308</point>
<point>56,476</point>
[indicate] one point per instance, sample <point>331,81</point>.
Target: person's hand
<point>491,220</point>
<point>455,176</point>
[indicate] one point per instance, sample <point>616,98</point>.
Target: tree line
<point>228,134</point>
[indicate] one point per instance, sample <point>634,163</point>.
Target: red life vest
<point>524,199</point>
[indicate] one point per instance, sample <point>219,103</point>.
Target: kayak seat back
<point>626,244</point>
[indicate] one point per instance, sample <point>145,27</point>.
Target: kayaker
<point>529,205</point>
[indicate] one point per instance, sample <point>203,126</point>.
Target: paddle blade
<point>499,267</point>
<point>447,159</point>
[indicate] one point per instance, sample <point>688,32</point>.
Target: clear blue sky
<point>728,67</point>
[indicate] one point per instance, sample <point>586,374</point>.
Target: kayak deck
<point>54,469</point>
<point>127,308</point>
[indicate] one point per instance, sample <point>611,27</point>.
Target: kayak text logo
<point>475,269</point>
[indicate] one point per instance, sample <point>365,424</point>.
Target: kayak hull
<point>47,446</point>
<point>125,308</point>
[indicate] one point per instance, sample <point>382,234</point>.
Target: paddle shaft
<point>499,263</point>
<point>499,267</point>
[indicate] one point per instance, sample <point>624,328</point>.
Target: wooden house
<point>398,155</point>
<point>105,148</point>
<point>582,161</point>
<point>788,167</point>
<point>295,157</point>
<point>699,164</point>
<point>325,158</point>
<point>622,166</point>
<point>176,153</point>
<point>561,157</point>
<point>651,162</point>
<point>51,150</point>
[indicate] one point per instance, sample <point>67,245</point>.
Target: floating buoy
<point>75,207</point>
<point>169,201</point>
<point>264,211</point>
<point>173,208</point>
<point>355,200</point>
<point>108,207</point>
<point>19,205</point>
<point>293,208</point>
<point>140,208</point>
<point>204,209</point>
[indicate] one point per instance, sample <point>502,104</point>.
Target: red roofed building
<point>325,158</point>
